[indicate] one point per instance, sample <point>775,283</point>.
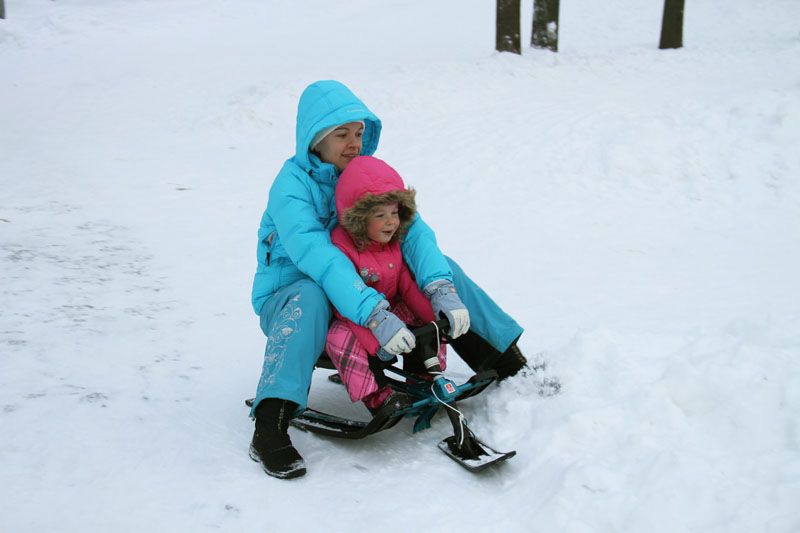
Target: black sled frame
<point>463,446</point>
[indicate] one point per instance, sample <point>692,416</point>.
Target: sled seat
<point>324,361</point>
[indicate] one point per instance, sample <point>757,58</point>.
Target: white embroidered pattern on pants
<point>286,325</point>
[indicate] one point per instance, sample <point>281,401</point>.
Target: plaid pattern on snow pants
<point>350,358</point>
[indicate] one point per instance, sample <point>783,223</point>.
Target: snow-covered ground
<point>637,210</point>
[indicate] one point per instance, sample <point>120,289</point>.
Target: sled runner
<point>427,394</point>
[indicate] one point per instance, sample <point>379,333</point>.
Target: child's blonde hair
<point>356,218</point>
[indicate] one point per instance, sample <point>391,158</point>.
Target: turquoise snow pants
<point>295,320</point>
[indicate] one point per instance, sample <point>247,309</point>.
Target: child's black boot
<point>271,445</point>
<point>394,402</point>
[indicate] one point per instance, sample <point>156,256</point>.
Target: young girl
<point>374,210</point>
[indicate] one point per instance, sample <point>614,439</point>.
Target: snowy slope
<point>636,210</point>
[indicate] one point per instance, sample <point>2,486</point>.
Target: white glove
<point>392,334</point>
<point>459,321</point>
<point>445,300</point>
<point>402,342</point>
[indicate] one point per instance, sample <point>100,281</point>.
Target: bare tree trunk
<point>508,17</point>
<point>545,24</point>
<point>672,25</point>
<point>2,9</point>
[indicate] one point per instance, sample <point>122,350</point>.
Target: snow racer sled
<point>428,391</point>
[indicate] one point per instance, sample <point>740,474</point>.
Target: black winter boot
<point>271,445</point>
<point>510,362</point>
<point>481,356</point>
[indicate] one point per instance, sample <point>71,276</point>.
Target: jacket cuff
<point>377,315</point>
<point>433,286</point>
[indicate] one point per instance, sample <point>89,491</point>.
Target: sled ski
<point>473,462</point>
<point>463,447</point>
<point>344,428</point>
<point>341,427</point>
<point>466,449</point>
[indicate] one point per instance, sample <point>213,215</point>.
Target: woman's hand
<point>445,300</point>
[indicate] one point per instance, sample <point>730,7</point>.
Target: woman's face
<point>341,145</point>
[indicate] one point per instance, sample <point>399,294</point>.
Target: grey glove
<point>445,300</point>
<point>392,334</point>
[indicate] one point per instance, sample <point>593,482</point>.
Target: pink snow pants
<point>350,359</point>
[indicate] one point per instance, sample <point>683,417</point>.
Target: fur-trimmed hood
<point>366,183</point>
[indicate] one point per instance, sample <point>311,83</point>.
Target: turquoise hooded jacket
<point>294,236</point>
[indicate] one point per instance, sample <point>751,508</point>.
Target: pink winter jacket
<point>381,266</point>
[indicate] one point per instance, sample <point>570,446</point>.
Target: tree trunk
<point>672,25</point>
<point>545,24</point>
<point>508,17</point>
<point>2,9</point>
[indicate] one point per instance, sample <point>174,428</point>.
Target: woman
<point>300,273</point>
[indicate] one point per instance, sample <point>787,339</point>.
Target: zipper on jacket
<point>268,241</point>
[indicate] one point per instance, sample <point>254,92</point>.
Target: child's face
<point>341,145</point>
<point>383,222</point>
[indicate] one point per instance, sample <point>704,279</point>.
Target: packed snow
<point>637,210</point>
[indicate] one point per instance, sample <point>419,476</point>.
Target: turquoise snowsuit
<point>300,271</point>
